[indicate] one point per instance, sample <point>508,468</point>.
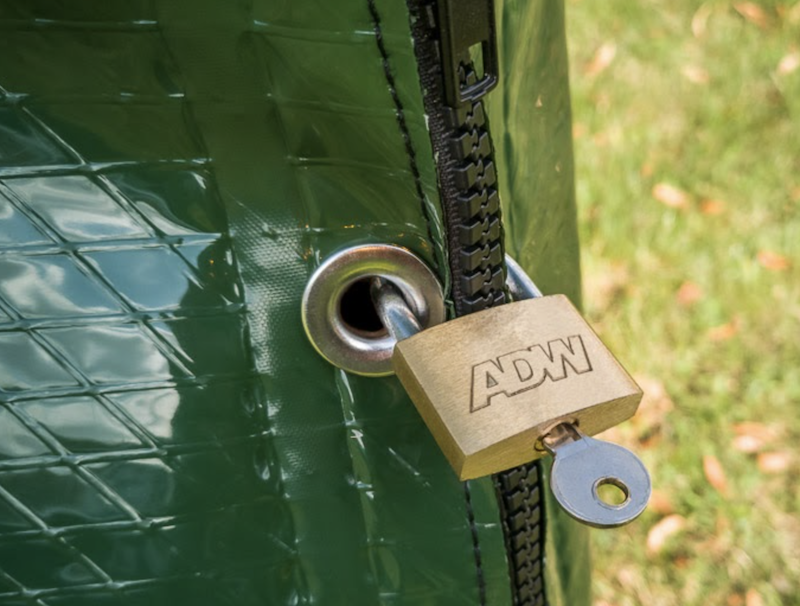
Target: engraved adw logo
<point>520,371</point>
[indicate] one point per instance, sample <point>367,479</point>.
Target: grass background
<point>687,141</point>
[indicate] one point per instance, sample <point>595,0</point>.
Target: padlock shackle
<point>393,310</point>
<point>399,319</point>
<point>519,283</point>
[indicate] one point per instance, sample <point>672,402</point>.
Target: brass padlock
<point>505,386</point>
<point>501,379</point>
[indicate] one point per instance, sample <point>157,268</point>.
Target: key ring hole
<point>611,492</point>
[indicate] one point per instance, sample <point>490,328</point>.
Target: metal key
<point>581,465</point>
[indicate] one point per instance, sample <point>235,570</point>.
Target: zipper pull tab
<point>462,25</point>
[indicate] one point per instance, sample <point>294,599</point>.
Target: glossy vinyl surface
<point>171,172</point>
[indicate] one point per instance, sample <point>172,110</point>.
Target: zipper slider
<point>464,24</point>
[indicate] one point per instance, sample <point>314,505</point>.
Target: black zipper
<point>456,49</point>
<point>463,147</point>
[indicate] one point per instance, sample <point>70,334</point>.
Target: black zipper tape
<point>447,35</point>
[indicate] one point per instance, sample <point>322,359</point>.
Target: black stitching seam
<point>476,546</point>
<point>401,121</point>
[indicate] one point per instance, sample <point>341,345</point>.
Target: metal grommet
<point>350,349</point>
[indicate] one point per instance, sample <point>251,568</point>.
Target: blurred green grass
<point>687,141</point>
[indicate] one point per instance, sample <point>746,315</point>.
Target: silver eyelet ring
<point>355,351</point>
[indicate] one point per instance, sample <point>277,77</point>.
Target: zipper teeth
<point>477,236</point>
<point>519,496</point>
<point>467,175</point>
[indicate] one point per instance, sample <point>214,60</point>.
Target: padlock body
<point>490,385</point>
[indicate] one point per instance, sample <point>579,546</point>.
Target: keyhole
<point>611,492</point>
<point>358,311</point>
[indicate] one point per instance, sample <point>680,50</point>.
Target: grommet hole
<point>357,311</point>
<point>339,317</point>
<point>612,492</point>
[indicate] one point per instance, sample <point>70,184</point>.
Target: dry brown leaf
<point>695,74</point>
<point>602,58</point>
<point>747,444</point>
<point>712,207</point>
<point>662,531</point>
<point>774,462</point>
<point>700,20</point>
<point>772,261</point>
<point>753,13</point>
<point>753,428</point>
<point>715,474</point>
<point>753,598</point>
<point>789,63</point>
<point>671,196</point>
<point>629,577</point>
<point>762,431</point>
<point>735,599</point>
<point>689,293</point>
<point>601,139</point>
<point>723,332</point>
<point>602,287</point>
<point>660,503</point>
